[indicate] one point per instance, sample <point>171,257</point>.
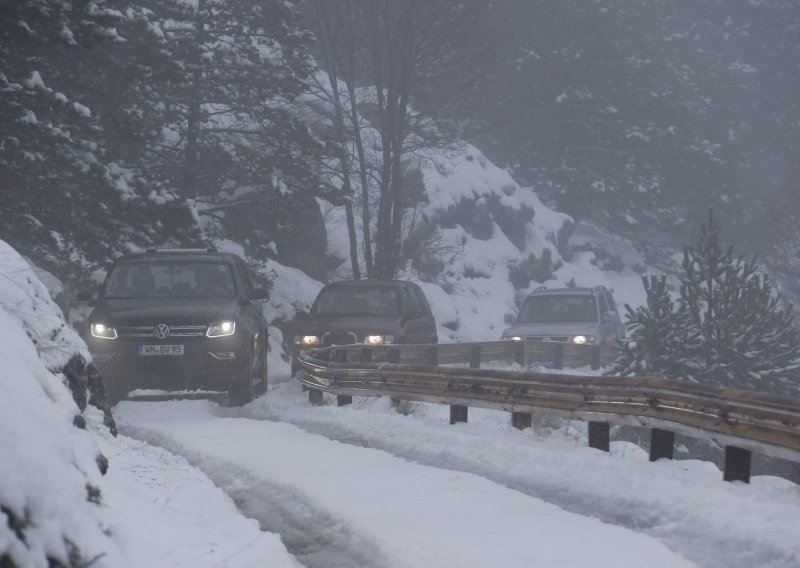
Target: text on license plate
<point>155,350</point>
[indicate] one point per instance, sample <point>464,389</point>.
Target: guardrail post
<point>737,464</point>
<point>558,356</point>
<point>595,357</point>
<point>520,420</point>
<point>432,356</point>
<point>661,444</point>
<point>475,357</point>
<point>459,413</point>
<point>518,351</point>
<point>599,436</point>
<point>315,396</point>
<point>340,356</point>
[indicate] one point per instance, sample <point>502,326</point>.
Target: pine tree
<point>653,343</point>
<point>230,74</point>
<point>70,138</point>
<point>737,332</point>
<point>729,328</point>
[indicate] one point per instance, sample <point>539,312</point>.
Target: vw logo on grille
<point>161,331</point>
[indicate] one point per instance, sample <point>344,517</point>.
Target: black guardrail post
<point>432,356</point>
<point>518,350</point>
<point>342,399</point>
<point>475,357</point>
<point>599,436</point>
<point>558,356</point>
<point>521,420</point>
<point>595,357</point>
<point>314,396</point>
<point>662,443</point>
<point>459,413</point>
<point>737,464</point>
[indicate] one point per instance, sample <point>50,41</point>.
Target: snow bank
<point>56,506</point>
<point>49,469</point>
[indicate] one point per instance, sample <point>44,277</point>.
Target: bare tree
<point>387,45</point>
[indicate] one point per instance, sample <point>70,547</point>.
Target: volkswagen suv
<point>571,315</point>
<point>180,319</point>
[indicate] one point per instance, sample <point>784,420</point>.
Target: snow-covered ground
<point>367,486</point>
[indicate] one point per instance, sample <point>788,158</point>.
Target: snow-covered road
<point>367,486</point>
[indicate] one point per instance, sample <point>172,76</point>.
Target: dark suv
<point>372,312</point>
<point>177,320</point>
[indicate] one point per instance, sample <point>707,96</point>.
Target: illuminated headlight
<point>379,339</point>
<point>306,340</point>
<point>103,331</point>
<point>583,339</point>
<point>512,338</point>
<point>221,328</point>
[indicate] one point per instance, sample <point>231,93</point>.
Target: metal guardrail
<point>741,421</point>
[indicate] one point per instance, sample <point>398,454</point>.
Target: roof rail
<point>179,250</point>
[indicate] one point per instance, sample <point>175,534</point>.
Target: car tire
<point>264,371</point>
<point>242,391</point>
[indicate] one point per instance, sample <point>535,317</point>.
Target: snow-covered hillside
<point>57,507</point>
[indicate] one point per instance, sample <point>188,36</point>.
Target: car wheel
<point>263,374</point>
<point>242,391</point>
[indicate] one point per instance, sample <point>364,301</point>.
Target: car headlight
<point>103,331</point>
<point>221,328</point>
<point>512,338</point>
<point>306,340</point>
<point>583,339</point>
<point>379,339</point>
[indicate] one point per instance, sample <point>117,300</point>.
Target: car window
<point>423,302</point>
<point>612,305</point>
<point>603,304</point>
<point>170,279</point>
<point>357,300</point>
<point>558,308</point>
<point>411,302</point>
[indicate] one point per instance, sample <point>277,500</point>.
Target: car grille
<point>558,338</point>
<point>174,331</point>
<point>339,338</point>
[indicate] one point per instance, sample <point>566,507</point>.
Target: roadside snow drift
<point>56,508</point>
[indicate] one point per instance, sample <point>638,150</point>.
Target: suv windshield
<point>170,279</point>
<point>558,308</point>
<point>358,300</point>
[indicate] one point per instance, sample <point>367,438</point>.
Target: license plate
<point>158,350</point>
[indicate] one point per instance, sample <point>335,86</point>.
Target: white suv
<point>571,315</point>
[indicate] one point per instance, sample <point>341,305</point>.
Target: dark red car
<point>371,312</point>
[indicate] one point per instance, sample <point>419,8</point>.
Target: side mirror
<point>85,296</point>
<point>259,294</point>
<point>608,317</point>
<point>509,318</point>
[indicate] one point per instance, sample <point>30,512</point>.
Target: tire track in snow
<point>316,537</point>
<point>683,528</point>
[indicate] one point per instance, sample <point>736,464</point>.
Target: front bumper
<point>206,363</point>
